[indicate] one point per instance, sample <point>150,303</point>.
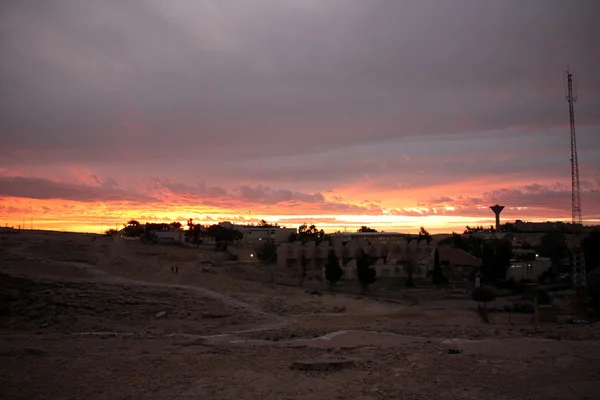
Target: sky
<point>341,113</point>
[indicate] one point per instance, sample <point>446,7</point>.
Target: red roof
<point>459,257</point>
<point>404,256</point>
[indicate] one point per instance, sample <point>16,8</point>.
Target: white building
<point>255,234</point>
<point>528,269</point>
<point>276,235</point>
<point>392,250</point>
<point>172,236</point>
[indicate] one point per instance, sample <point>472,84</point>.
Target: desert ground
<point>90,317</point>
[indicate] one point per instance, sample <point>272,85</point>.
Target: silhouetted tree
<point>366,229</point>
<point>495,256</point>
<point>554,246</point>
<point>223,234</point>
<point>483,295</point>
<point>410,266</point>
<point>308,234</point>
<point>424,235</point>
<point>591,250</point>
<point>194,232</point>
<point>264,224</point>
<point>365,273</point>
<point>303,265</point>
<point>133,229</point>
<point>267,253</point>
<point>333,270</point>
<point>438,274</point>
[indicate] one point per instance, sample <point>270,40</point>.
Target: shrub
<point>483,295</point>
<point>267,253</point>
<point>365,273</point>
<point>594,291</point>
<point>543,297</point>
<point>522,286</point>
<point>523,308</point>
<point>333,271</point>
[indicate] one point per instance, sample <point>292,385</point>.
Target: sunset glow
<point>341,115</point>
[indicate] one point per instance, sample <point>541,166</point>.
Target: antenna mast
<point>579,274</point>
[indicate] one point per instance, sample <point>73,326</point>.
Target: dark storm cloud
<point>545,199</point>
<point>536,154</point>
<point>252,194</point>
<point>36,188</point>
<point>123,81</point>
<point>168,192</point>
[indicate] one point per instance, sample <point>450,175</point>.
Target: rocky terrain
<point>104,318</point>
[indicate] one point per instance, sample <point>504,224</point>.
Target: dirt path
<point>118,249</point>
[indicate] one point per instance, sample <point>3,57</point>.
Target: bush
<point>523,308</point>
<point>219,246</point>
<point>547,276</point>
<point>509,284</point>
<point>483,295</point>
<point>522,286</point>
<point>543,298</point>
<point>593,289</point>
<point>333,271</point>
<point>267,253</point>
<point>365,273</point>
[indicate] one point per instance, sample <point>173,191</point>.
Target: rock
<point>323,364</point>
<point>161,314</point>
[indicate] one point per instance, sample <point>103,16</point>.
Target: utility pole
<point>578,261</point>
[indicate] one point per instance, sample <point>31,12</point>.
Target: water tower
<point>497,210</point>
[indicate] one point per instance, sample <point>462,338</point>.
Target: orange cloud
<point>443,208</point>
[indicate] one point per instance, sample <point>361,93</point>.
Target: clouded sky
<point>395,114</point>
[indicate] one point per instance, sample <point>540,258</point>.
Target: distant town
<point>516,251</point>
<point>505,254</point>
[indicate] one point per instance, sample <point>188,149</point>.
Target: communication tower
<point>578,261</point>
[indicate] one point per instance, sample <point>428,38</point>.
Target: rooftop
<point>368,234</point>
<point>459,257</point>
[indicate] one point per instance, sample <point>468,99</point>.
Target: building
<point>168,237</point>
<point>526,264</point>
<point>253,235</point>
<point>391,251</point>
<point>488,235</point>
<point>457,264</point>
<point>257,234</point>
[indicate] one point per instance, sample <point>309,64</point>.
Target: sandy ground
<point>84,318</point>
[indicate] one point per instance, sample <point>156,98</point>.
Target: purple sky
<point>327,103</point>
